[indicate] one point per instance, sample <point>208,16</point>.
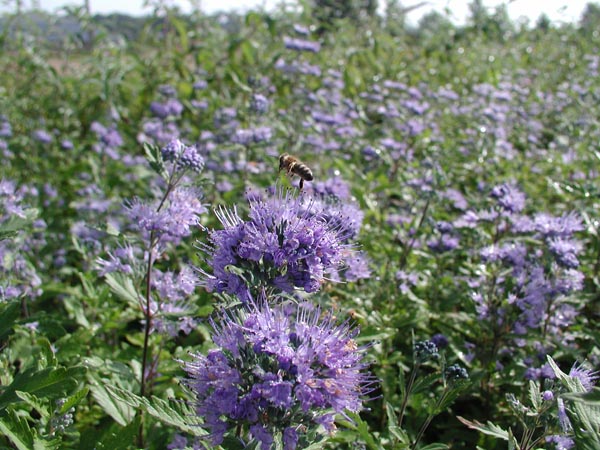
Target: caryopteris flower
<point>173,221</point>
<point>285,243</point>
<point>184,156</point>
<point>587,377</point>
<point>279,370</point>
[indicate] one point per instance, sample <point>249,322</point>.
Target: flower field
<point>276,231</point>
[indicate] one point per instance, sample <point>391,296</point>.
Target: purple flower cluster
<point>287,242</point>
<point>301,45</point>
<point>560,442</point>
<point>162,110</point>
<point>109,140</point>
<point>183,156</point>
<point>301,67</point>
<point>256,135</point>
<point>123,260</point>
<point>259,104</point>
<point>277,370</point>
<point>446,239</point>
<point>540,278</point>
<point>171,222</point>
<point>42,136</point>
<point>17,274</point>
<point>173,313</point>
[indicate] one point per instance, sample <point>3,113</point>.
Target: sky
<point>557,10</point>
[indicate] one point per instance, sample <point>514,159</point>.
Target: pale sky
<point>557,10</point>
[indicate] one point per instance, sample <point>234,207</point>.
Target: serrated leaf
<point>559,373</point>
<point>534,395</point>
<point>17,430</point>
<point>47,356</point>
<point>363,431</point>
<point>453,393</point>
<point>512,442</point>
<point>571,383</point>
<point>73,400</point>
<point>424,383</point>
<point>592,397</point>
<point>50,382</point>
<point>123,287</point>
<point>35,403</point>
<point>393,427</point>
<point>489,428</point>
<point>9,312</point>
<point>175,413</point>
<point>121,412</point>
<point>435,446</point>
<point>14,224</point>
<point>154,157</point>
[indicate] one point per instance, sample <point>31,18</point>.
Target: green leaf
<point>363,431</point>
<point>453,393</point>
<point>435,446</point>
<point>121,411</point>
<point>15,223</point>
<point>534,395</point>
<point>47,356</point>
<point>73,400</point>
<point>17,430</point>
<point>120,439</point>
<point>490,429</point>
<point>559,373</point>
<point>50,382</point>
<point>425,383</point>
<point>154,157</point>
<point>173,412</point>
<point>35,403</point>
<point>123,287</point>
<point>10,313</point>
<point>393,427</point>
<point>591,398</point>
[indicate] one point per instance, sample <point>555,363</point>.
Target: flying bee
<point>293,166</point>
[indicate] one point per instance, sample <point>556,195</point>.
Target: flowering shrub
<point>451,218</point>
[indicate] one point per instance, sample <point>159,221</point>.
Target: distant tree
<point>18,7</point>
<point>395,18</point>
<point>327,12</point>
<point>496,26</point>
<point>478,14</point>
<point>590,20</point>
<point>435,26</point>
<point>543,23</point>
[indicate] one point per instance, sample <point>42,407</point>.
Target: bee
<point>293,166</point>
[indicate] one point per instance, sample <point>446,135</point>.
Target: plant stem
<point>409,386</point>
<point>408,248</point>
<point>429,419</point>
<point>148,319</point>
